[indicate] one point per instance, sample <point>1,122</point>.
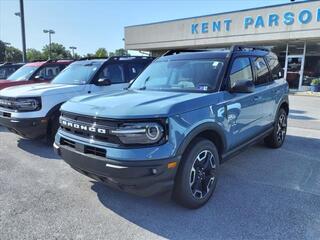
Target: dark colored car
<point>6,69</point>
<point>177,122</point>
<point>35,72</point>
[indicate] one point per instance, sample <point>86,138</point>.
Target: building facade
<point>292,31</point>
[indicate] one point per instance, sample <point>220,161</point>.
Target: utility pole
<point>73,48</point>
<point>23,32</point>
<point>49,31</point>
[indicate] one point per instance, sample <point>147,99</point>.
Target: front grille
<point>81,126</point>
<point>68,143</point>
<point>95,151</point>
<point>100,152</point>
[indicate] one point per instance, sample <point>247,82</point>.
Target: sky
<point>91,24</point>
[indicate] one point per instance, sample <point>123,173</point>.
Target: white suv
<point>33,111</point>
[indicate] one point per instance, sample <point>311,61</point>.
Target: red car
<point>35,72</point>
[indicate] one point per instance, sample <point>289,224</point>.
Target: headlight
<point>139,133</point>
<point>22,104</point>
<point>28,104</point>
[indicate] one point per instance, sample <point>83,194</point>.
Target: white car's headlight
<point>22,104</point>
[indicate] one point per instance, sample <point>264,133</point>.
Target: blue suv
<point>177,122</point>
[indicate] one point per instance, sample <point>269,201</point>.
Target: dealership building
<point>291,30</point>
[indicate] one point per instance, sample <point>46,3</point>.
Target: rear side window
<point>262,71</point>
<point>241,70</point>
<point>134,69</point>
<point>113,72</point>
<point>49,72</point>
<point>275,67</point>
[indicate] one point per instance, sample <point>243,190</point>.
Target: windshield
<point>76,74</point>
<point>181,75</point>
<point>23,73</point>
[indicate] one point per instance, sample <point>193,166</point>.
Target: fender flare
<point>209,126</point>
<point>53,110</point>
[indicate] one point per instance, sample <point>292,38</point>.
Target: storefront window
<point>312,63</point>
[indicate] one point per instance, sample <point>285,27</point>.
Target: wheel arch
<point>210,131</point>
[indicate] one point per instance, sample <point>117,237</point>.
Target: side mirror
<point>243,86</point>
<point>103,82</point>
<point>38,78</point>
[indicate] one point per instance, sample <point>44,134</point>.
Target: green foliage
<point>13,54</point>
<point>121,52</point>
<point>315,81</point>
<point>58,51</point>
<point>33,54</point>
<point>101,52</point>
<point>2,51</point>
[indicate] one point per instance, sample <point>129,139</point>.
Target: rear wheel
<point>278,135</point>
<point>197,175</point>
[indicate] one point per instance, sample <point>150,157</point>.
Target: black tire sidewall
<point>182,191</point>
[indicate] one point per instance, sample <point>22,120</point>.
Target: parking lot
<point>262,194</point>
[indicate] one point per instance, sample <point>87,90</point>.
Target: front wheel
<point>278,135</point>
<point>197,175</point>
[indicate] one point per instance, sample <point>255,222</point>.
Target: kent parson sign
<point>303,17</point>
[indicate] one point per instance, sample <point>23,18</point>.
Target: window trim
<point>256,75</point>
<point>230,68</point>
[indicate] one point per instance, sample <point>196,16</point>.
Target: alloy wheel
<point>203,174</point>
<point>281,127</point>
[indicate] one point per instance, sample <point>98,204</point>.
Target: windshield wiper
<point>144,85</point>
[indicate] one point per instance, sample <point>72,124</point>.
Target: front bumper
<point>143,178</point>
<point>31,128</point>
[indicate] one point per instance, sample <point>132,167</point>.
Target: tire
<point>278,135</point>
<point>196,178</point>
<point>53,127</point>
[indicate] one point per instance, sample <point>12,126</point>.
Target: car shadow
<point>293,111</point>
<point>255,197</point>
<point>38,148</point>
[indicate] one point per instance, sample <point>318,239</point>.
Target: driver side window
<point>113,72</point>
<point>241,70</point>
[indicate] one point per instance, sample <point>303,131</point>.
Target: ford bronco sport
<point>35,72</point>
<point>33,111</point>
<point>176,123</point>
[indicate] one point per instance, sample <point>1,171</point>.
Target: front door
<point>294,72</point>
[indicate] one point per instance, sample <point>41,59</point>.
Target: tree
<point>121,52</point>
<point>2,51</point>
<point>101,52</point>
<point>13,54</point>
<point>33,54</point>
<point>58,51</point>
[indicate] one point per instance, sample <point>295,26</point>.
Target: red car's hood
<point>10,83</point>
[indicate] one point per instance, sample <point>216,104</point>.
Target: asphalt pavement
<point>261,194</point>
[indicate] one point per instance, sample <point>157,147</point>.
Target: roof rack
<point>115,57</point>
<point>177,51</point>
<point>247,48</point>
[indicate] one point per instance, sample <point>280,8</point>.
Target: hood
<point>40,89</point>
<point>4,83</point>
<point>138,104</point>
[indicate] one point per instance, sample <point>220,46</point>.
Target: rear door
<point>264,97</point>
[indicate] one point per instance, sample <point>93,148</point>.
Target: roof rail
<point>115,57</point>
<point>177,51</point>
<point>235,48</point>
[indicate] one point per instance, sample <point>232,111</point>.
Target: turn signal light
<point>172,165</point>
